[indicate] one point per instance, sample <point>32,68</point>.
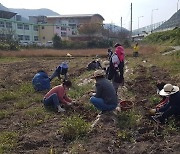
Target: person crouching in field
<point>105,98</point>
<point>62,69</point>
<point>173,105</point>
<point>58,96</point>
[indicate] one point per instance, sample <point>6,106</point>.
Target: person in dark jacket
<point>105,98</point>
<point>62,69</point>
<point>173,105</point>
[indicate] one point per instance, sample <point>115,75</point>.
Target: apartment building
<point>66,26</point>
<point>12,26</point>
<point>43,28</point>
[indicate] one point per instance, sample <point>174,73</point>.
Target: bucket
<point>126,105</point>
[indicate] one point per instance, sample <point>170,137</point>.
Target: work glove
<point>152,111</point>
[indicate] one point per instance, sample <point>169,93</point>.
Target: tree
<point>57,42</point>
<point>90,29</point>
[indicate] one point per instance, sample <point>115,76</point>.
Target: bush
<point>74,127</point>
<point>128,119</point>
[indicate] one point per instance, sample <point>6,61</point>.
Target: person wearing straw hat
<point>105,98</point>
<point>173,106</point>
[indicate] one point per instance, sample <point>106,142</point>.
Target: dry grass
<point>75,53</point>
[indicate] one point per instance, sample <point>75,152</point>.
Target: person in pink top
<point>58,95</point>
<point>119,50</point>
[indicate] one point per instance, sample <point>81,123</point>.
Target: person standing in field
<point>116,68</point>
<point>136,50</point>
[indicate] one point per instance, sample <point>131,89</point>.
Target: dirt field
<point>38,132</point>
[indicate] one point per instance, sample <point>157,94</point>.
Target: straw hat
<point>169,89</point>
<point>98,73</point>
<point>105,64</point>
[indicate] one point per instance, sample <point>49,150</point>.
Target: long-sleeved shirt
<point>106,91</point>
<point>60,91</point>
<point>120,53</point>
<point>174,102</point>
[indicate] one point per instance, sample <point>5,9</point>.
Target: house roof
<point>5,13</point>
<point>76,16</point>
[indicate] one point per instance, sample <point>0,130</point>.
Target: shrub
<point>74,127</point>
<point>128,119</point>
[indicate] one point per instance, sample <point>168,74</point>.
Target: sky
<point>144,12</point>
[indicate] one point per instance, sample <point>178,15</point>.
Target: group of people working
<point>105,98</point>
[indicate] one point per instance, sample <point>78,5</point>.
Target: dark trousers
<point>168,113</point>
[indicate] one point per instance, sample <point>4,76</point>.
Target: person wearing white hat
<point>105,98</point>
<point>173,106</point>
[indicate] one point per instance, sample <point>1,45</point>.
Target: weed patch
<point>128,119</point>
<point>74,127</point>
<point>8,140</point>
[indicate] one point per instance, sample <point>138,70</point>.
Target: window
<point>26,27</point>
<point>57,27</point>
<point>74,33</point>
<point>43,37</point>
<point>36,38</point>
<point>20,37</point>
<point>42,27</point>
<point>8,24</point>
<point>20,26</point>
<point>2,36</point>
<point>63,28</point>
<point>35,28</point>
<point>1,24</point>
<point>26,37</point>
<point>63,34</point>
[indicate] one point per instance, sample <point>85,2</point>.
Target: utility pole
<point>121,24</point>
<point>131,22</point>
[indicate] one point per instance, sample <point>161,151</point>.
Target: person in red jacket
<point>120,53</point>
<point>58,96</point>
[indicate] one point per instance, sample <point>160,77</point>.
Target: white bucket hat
<point>169,89</point>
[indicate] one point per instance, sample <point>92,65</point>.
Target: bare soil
<point>103,138</point>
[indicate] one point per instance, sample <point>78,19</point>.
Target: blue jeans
<point>52,100</point>
<point>100,105</point>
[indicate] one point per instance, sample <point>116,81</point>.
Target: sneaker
<point>69,103</point>
<point>61,110</point>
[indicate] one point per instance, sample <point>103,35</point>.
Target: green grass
<point>170,37</point>
<point>8,95</point>
<point>128,120</point>
<point>74,127</point>
<point>78,91</point>
<point>36,116</point>
<point>169,62</point>
<point>10,59</point>
<point>21,104</point>
<point>4,114</point>
<point>8,140</point>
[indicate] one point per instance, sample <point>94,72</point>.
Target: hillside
<point>34,12</point>
<point>171,37</point>
<point>174,21</point>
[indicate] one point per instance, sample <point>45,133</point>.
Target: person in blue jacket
<point>173,106</point>
<point>41,81</point>
<point>62,69</point>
